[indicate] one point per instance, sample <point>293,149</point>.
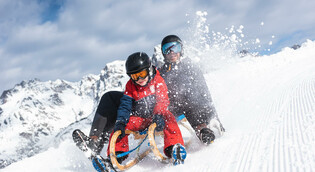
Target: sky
<point>68,39</point>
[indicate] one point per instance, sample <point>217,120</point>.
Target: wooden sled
<point>150,134</point>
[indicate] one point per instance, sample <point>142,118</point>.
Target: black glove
<point>158,119</point>
<point>121,127</point>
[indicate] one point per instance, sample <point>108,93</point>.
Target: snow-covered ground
<point>267,105</point>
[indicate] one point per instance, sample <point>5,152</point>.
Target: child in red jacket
<point>145,101</point>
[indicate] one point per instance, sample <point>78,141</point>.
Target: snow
<point>266,104</point>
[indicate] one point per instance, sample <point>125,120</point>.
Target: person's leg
<point>173,140</point>
<point>104,119</point>
<point>199,122</point>
<point>106,113</point>
<point>172,134</point>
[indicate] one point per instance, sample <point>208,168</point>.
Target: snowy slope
<point>267,105</point>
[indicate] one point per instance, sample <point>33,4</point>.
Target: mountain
<point>34,113</point>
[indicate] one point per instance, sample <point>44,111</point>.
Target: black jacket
<point>188,92</point>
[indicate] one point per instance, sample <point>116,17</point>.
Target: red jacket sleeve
<point>162,100</point>
<point>128,89</point>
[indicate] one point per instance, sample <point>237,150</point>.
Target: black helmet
<point>136,62</point>
<point>172,38</point>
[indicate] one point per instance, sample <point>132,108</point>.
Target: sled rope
<point>128,152</point>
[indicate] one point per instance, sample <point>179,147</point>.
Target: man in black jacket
<point>188,91</point>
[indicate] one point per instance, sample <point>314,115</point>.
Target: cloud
<point>15,14</point>
<point>69,39</point>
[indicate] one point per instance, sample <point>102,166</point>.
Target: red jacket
<point>144,101</point>
<point>155,93</point>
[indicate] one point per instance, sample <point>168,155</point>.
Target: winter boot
<point>85,143</point>
<point>178,154</point>
<point>206,136</point>
<point>102,165</point>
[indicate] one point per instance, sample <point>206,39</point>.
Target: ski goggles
<point>171,46</point>
<point>137,76</point>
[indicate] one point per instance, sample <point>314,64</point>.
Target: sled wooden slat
<point>191,131</point>
<point>113,152</point>
<point>153,145</point>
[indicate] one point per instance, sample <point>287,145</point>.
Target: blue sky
<point>67,39</point>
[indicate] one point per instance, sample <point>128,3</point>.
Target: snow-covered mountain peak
<point>33,112</point>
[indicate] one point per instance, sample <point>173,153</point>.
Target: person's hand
<point>121,127</point>
<point>158,119</point>
<point>214,123</point>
